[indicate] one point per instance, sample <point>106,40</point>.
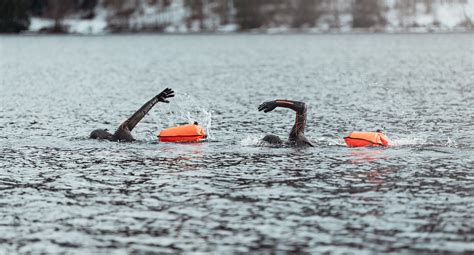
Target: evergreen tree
<point>14,16</point>
<point>248,14</point>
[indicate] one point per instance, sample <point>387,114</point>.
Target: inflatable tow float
<point>361,139</point>
<point>182,133</point>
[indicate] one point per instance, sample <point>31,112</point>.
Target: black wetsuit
<point>296,137</point>
<point>123,132</point>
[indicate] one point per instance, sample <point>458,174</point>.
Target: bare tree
<point>119,14</point>
<point>223,9</point>
<point>428,6</point>
<point>367,13</point>
<point>306,12</point>
<point>57,10</point>
<point>196,8</point>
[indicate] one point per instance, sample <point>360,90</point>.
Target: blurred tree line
<point>15,14</point>
<point>247,14</point>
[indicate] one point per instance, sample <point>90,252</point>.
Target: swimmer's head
<point>272,139</point>
<point>100,134</point>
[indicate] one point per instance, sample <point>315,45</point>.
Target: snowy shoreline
<point>262,32</point>
<point>145,18</point>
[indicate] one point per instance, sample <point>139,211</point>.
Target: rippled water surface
<point>60,191</point>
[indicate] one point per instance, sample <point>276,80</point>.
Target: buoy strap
<point>362,139</point>
<point>179,135</point>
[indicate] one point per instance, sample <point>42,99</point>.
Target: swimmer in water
<point>297,137</point>
<point>123,132</point>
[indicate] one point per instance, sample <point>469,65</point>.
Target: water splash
<point>424,140</point>
<point>251,140</point>
<point>451,143</point>
<point>187,109</point>
<point>328,141</point>
<point>207,122</point>
<point>409,141</point>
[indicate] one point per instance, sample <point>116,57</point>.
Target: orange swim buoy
<point>183,133</point>
<point>361,139</point>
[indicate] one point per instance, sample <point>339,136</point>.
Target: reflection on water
<point>366,155</point>
<point>61,192</point>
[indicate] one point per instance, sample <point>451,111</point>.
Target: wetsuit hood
<point>101,134</point>
<point>272,139</point>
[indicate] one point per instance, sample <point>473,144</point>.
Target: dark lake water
<point>61,192</point>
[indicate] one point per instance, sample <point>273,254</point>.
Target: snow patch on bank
<point>37,24</point>
<point>97,25</point>
<point>450,15</point>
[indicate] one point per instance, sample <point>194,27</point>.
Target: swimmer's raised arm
<point>131,122</point>
<point>123,132</point>
<point>297,130</point>
<point>294,105</point>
